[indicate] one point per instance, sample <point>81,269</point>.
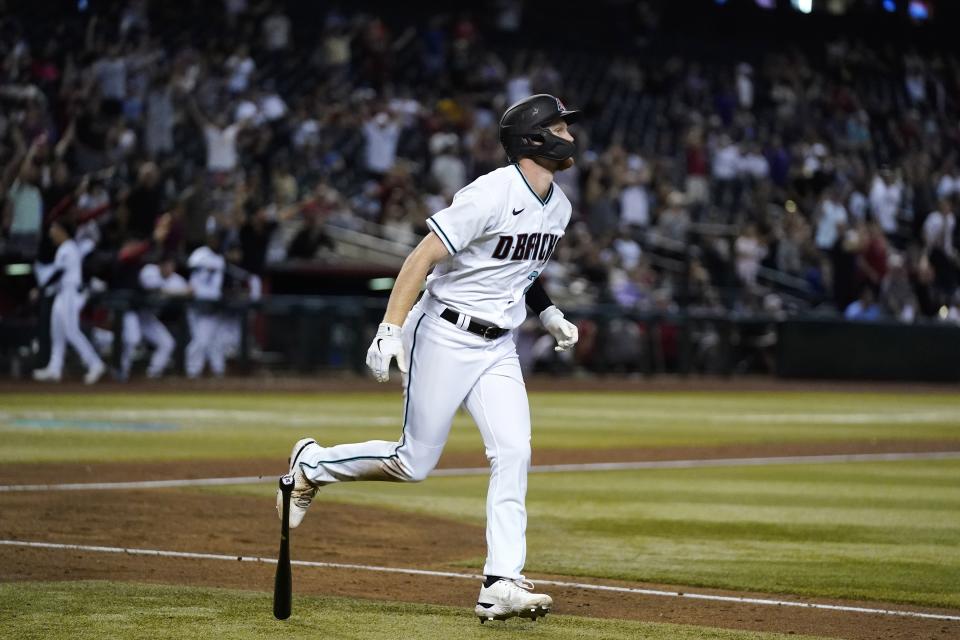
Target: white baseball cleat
<point>508,598</point>
<point>46,375</point>
<point>303,492</point>
<point>94,373</point>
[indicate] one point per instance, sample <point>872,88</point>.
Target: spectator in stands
<point>793,243</point>
<point>276,31</point>
<point>886,198</point>
<point>896,291</point>
<point>221,142</point>
<point>23,213</point>
<point>635,201</point>
<point>745,86</point>
<point>874,256</point>
<point>858,205</point>
<point>750,250</point>
<point>160,117</point>
<point>144,204</point>
<point>939,231</point>
<point>754,168</point>
<point>447,168</point>
<point>948,186</point>
<point>864,308</point>
<point>241,67</point>
<point>725,171</point>
<point>673,223</point>
<point>110,72</point>
<point>381,133</point>
<point>697,183</point>
<point>845,257</point>
<point>255,235</point>
<point>310,238</point>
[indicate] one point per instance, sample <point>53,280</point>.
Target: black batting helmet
<point>524,132</point>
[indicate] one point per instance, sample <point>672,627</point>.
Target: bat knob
<point>286,483</point>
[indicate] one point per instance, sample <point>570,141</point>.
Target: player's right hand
<point>385,346</point>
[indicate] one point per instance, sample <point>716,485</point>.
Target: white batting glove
<point>385,346</point>
<point>565,333</point>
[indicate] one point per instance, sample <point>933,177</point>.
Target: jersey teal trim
<point>442,235</point>
<point>406,407</point>
<point>542,201</point>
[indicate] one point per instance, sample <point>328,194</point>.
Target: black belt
<point>483,330</point>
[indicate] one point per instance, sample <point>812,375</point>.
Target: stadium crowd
<point>816,180</point>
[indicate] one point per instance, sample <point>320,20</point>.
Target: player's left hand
<point>564,332</point>
<point>385,346</point>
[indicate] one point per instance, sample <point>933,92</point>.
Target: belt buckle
<point>491,333</point>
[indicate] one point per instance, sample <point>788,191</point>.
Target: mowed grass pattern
<point>32,426</point>
<point>888,532</point>
<point>152,612</point>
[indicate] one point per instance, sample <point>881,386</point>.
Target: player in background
<point>456,345</point>
<point>66,279</point>
<point>206,281</point>
<point>142,324</point>
<point>239,284</point>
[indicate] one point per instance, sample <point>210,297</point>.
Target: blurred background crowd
<point>806,175</point>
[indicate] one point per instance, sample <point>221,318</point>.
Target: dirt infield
<point>184,520</point>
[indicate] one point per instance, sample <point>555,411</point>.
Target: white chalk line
<point>466,576</point>
<point>543,468</point>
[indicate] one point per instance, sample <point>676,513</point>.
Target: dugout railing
<point>307,334</point>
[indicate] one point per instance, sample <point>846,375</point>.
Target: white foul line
<point>543,468</point>
<point>467,576</point>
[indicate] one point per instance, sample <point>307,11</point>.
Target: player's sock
<point>489,580</point>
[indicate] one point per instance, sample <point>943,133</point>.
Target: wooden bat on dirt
<point>283,584</point>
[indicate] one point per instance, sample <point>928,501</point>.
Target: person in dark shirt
<point>309,239</point>
<point>255,236</point>
<point>144,203</point>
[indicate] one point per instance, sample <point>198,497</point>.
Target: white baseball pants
<point>143,325</point>
<point>449,367</point>
<point>205,344</point>
<point>65,328</point>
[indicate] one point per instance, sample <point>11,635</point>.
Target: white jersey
<point>206,273</point>
<point>151,279</point>
<point>500,235</point>
<point>68,261</point>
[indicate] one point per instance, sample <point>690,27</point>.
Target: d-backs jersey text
<point>500,235</point>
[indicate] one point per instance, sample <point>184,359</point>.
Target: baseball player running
<point>66,278</point>
<point>456,345</point>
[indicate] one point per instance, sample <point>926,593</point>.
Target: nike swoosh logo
<point>378,344</point>
<point>517,212</point>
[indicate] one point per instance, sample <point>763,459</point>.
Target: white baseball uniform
<point>206,280</point>
<point>500,235</point>
<point>143,324</point>
<point>65,314</point>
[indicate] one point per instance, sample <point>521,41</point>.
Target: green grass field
<point>105,610</point>
<point>875,531</point>
<point>248,425</point>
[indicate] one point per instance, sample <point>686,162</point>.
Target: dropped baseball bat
<point>283,583</point>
